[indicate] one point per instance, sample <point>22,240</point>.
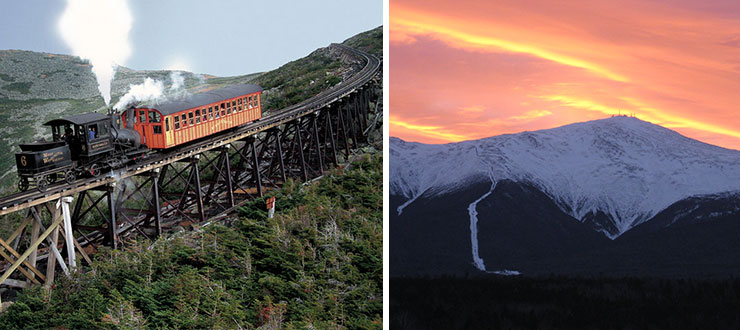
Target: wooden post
<point>157,207</point>
<point>300,149</point>
<point>318,143</point>
<point>34,245</point>
<point>198,190</point>
<point>229,180</point>
<point>34,236</point>
<point>112,225</point>
<point>280,155</point>
<point>256,168</point>
<point>51,263</point>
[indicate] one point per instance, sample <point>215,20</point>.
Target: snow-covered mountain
<point>614,173</point>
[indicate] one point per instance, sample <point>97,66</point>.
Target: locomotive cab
<point>88,135</point>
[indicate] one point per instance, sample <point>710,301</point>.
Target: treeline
<point>316,264</point>
<point>564,303</point>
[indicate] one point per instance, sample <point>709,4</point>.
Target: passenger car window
<point>154,117</point>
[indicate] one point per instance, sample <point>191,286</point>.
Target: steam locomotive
<point>92,143</point>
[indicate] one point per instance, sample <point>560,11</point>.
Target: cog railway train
<point>91,143</point>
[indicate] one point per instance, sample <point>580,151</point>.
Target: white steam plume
<point>149,90</point>
<point>178,81</point>
<point>98,30</point>
<point>177,89</point>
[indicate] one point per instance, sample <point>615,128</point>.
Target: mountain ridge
<point>615,173</point>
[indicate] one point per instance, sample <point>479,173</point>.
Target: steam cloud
<point>149,90</point>
<point>153,90</point>
<point>98,31</point>
<point>177,80</point>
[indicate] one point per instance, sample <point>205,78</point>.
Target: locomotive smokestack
<point>130,113</point>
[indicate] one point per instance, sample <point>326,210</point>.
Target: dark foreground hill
<point>316,264</point>
<point>496,302</point>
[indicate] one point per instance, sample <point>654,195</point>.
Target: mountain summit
<point>612,174</point>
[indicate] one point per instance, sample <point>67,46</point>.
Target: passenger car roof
<point>201,99</point>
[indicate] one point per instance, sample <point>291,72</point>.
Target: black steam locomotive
<point>81,145</point>
<point>91,143</point>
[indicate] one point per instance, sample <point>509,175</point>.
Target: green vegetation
<point>299,80</point>
<point>6,77</point>
<point>368,41</point>
<point>316,264</point>
<point>308,76</point>
<point>49,73</point>
<point>224,81</point>
<point>20,87</point>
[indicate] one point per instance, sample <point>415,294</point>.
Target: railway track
<point>24,200</point>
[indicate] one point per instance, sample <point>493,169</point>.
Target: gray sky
<point>224,37</point>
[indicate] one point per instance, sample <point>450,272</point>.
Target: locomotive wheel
<point>41,183</point>
<point>94,170</point>
<point>70,176</point>
<point>51,178</point>
<point>23,184</point>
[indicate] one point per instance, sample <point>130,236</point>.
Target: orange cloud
<point>644,112</point>
<point>534,64</point>
<point>435,132</point>
<point>531,115</point>
<point>668,120</point>
<point>429,25</point>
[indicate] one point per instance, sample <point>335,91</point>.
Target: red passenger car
<point>180,121</point>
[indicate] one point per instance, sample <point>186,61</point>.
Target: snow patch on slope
<point>624,167</point>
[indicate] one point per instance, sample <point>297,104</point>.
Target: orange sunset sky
<point>469,69</point>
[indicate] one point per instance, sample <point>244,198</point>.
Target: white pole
<point>68,231</point>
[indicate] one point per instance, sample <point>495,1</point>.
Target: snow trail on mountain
<point>477,261</point>
<point>409,201</point>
